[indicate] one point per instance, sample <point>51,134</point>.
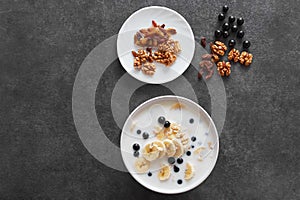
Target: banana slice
<point>142,165</point>
<point>150,151</point>
<point>161,147</point>
<point>179,148</point>
<point>189,171</point>
<point>164,173</point>
<point>170,147</point>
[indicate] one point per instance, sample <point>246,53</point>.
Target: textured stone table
<point>42,45</point>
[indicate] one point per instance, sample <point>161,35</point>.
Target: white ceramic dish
<point>142,19</point>
<point>144,118</point>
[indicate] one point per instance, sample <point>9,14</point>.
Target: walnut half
<point>234,55</point>
<point>246,58</point>
<point>224,68</point>
<point>218,48</point>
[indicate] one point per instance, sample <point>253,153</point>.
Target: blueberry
<point>226,26</point>
<point>231,43</point>
<point>218,33</point>
<point>136,147</point>
<point>193,139</point>
<point>179,181</point>
<point>171,160</point>
<point>167,124</point>
<point>225,8</point>
<point>192,146</point>
<point>234,28</point>
<point>191,120</point>
<point>161,120</point>
<point>231,19</point>
<point>149,174</point>
<point>145,135</point>
<point>240,34</point>
<point>221,17</point>
<point>188,153</point>
<point>176,169</point>
<point>138,131</point>
<point>246,44</point>
<point>179,160</point>
<point>136,154</point>
<point>225,34</point>
<point>240,21</point>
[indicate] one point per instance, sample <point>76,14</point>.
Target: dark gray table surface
<point>42,45</point>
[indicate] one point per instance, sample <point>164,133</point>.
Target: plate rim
<point>164,8</point>
<point>207,115</point>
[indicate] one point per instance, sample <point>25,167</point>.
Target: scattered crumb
<point>177,106</point>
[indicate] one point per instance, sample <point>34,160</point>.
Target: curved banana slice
<point>170,147</point>
<point>179,148</point>
<point>150,152</point>
<point>164,173</point>
<point>189,171</point>
<point>161,147</point>
<point>142,165</point>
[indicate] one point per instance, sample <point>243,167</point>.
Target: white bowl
<point>142,19</point>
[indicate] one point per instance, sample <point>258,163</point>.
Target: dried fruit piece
<point>234,55</point>
<point>203,42</point>
<point>224,68</point>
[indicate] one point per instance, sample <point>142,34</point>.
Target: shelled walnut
<point>224,68</point>
<point>218,48</point>
<point>234,55</point>
<point>148,68</point>
<point>246,58</point>
<point>141,56</point>
<point>166,58</point>
<point>215,58</point>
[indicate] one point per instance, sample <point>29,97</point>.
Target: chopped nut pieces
<point>218,48</point>
<point>246,58</point>
<point>234,55</point>
<point>224,68</point>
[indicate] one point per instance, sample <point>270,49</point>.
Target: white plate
<point>142,19</point>
<point>144,118</point>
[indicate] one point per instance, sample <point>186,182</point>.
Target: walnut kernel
<point>234,55</point>
<point>224,68</point>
